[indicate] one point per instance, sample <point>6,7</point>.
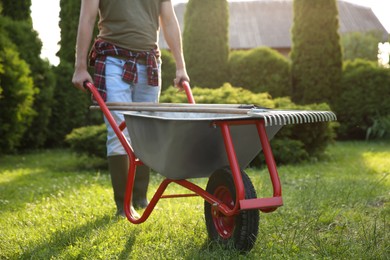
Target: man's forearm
<point>172,34</point>
<point>87,20</point>
<point>173,39</point>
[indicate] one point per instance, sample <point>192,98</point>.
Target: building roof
<point>269,22</point>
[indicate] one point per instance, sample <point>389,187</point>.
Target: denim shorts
<point>121,91</point>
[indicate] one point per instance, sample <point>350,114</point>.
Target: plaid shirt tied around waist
<point>102,49</point>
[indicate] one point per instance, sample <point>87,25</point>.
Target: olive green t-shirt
<point>130,24</point>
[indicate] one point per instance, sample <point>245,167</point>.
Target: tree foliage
<point>24,38</point>
<point>17,10</point>
<point>316,53</point>
<point>17,94</point>
<point>70,106</point>
<point>206,41</point>
<point>69,19</point>
<point>168,69</point>
<point>358,45</point>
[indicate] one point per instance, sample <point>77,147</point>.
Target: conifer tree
<point>17,10</point>
<point>70,109</point>
<point>206,42</point>
<point>316,52</point>
<point>17,27</point>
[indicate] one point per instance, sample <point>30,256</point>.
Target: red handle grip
<point>187,89</point>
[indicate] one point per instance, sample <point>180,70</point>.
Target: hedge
<point>361,103</point>
<point>90,140</point>
<point>261,70</point>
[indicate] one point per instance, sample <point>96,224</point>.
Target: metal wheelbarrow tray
<point>190,145</point>
<point>184,141</point>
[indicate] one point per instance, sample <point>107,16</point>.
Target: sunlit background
<point>46,23</point>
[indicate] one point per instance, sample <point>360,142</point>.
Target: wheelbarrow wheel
<point>239,230</point>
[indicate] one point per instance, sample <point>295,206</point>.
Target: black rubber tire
<point>240,230</point>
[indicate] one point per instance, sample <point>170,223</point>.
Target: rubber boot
<point>118,166</point>
<point>140,189</point>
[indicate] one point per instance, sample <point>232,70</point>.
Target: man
<point>127,69</point>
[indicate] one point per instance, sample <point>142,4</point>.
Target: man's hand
<point>181,75</point>
<point>79,77</point>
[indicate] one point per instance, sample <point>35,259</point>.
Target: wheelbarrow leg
<point>269,159</point>
<point>233,161</point>
<point>231,186</point>
<point>264,204</point>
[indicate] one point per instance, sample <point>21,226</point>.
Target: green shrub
<point>361,45</point>
<point>314,136</point>
<point>261,70</point>
<point>380,129</point>
<point>223,95</point>
<point>285,151</point>
<point>89,140</point>
<point>362,98</point>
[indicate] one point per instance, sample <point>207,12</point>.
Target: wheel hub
<point>223,224</point>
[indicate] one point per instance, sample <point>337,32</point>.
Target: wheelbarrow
<point>217,141</point>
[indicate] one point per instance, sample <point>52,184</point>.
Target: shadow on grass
<point>215,250</point>
<point>37,185</point>
<point>61,240</point>
<point>34,177</point>
<point>126,252</point>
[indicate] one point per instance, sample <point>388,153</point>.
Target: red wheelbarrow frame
<point>264,204</point>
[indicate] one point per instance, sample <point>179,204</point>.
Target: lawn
<point>58,205</point>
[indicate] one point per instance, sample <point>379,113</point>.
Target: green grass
<point>55,204</point>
